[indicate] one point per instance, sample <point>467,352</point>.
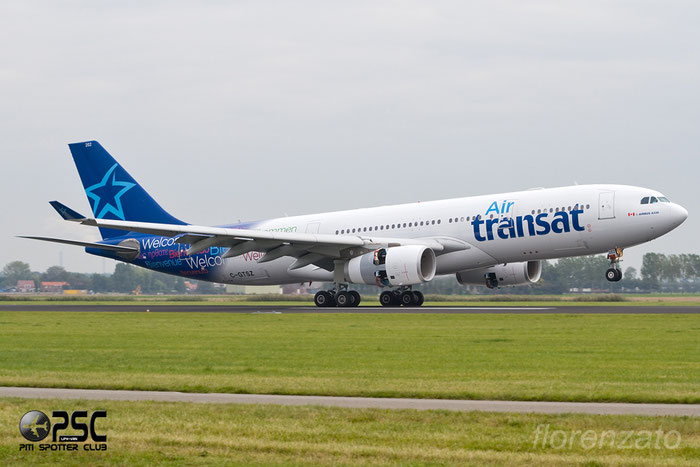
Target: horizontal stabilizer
<point>66,212</point>
<point>101,246</point>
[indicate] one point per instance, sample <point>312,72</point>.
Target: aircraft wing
<point>307,248</point>
<point>318,249</point>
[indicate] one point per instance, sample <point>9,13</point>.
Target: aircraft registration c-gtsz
<point>493,240</point>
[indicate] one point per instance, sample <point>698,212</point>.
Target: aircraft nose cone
<point>680,214</point>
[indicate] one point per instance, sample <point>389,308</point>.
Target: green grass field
<point>638,358</point>
<point>148,433</point>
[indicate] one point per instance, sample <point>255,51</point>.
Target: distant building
<point>296,289</point>
<point>53,287</point>
<point>253,289</point>
<point>26,286</point>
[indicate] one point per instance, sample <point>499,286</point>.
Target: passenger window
<point>462,219</point>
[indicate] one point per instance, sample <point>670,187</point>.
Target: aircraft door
<point>606,205</point>
<point>313,227</point>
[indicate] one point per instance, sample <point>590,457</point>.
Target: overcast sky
<point>253,109</point>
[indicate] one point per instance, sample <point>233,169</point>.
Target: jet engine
<point>394,266</point>
<point>527,272</point>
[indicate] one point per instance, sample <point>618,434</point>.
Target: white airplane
<point>493,240</point>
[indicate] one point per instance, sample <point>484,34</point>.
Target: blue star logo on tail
<point>109,192</point>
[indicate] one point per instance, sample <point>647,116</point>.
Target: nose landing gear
<point>614,273</point>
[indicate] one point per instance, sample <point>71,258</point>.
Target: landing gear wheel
<point>356,297</point>
<point>343,299</point>
<point>611,274</point>
<point>418,298</point>
<point>386,298</point>
<point>406,298</point>
<point>323,299</point>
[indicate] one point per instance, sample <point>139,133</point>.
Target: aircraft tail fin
<point>112,192</point>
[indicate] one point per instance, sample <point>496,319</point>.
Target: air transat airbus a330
<point>493,240</point>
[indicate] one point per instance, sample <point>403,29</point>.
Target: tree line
<point>659,273</point>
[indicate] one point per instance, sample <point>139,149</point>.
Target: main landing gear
<point>340,296</point>
<point>614,273</point>
<point>402,296</point>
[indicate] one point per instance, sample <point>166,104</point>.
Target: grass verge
<point>147,433</point>
<point>626,358</point>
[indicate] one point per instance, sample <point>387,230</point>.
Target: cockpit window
<point>653,200</point>
<point>663,199</point>
<point>645,200</point>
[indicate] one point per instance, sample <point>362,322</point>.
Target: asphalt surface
<point>174,307</point>
<point>692,410</point>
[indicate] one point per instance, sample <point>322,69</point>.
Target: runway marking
<point>428,308</point>
<point>599,408</point>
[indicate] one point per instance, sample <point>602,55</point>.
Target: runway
<point>174,307</point>
<point>692,410</point>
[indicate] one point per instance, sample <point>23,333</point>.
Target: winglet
<point>66,212</point>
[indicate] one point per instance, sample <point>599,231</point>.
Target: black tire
<point>356,296</point>
<point>418,298</point>
<point>406,298</point>
<point>323,299</point>
<point>386,298</point>
<point>619,275</point>
<point>343,299</point>
<point>611,275</point>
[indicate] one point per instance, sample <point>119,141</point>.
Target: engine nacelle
<point>528,272</point>
<point>386,267</point>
